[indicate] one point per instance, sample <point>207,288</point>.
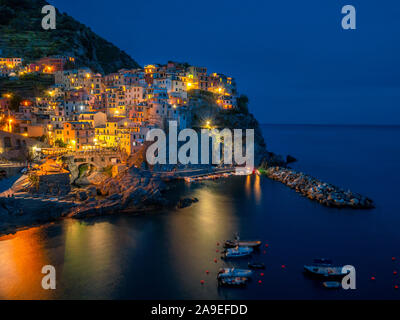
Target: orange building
<point>10,63</point>
<point>51,64</point>
<point>78,135</point>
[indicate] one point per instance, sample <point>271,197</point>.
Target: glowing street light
<point>208,124</point>
<point>9,125</point>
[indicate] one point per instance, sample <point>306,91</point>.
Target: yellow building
<point>127,139</point>
<point>106,136</point>
<point>104,139</point>
<point>58,135</point>
<point>191,82</point>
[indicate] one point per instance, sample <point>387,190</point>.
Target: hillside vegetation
<point>21,35</point>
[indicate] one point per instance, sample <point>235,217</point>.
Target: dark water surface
<point>166,254</point>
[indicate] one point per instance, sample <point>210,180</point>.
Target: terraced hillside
<point>21,35</point>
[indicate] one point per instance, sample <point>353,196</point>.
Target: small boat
<point>233,281</point>
<point>242,243</point>
<point>233,272</point>
<point>325,271</point>
<point>256,265</point>
<point>237,252</point>
<point>331,284</point>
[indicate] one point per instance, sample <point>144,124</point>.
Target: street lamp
<point>9,125</point>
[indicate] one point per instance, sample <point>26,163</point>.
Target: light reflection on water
<point>21,260</point>
<point>93,251</point>
<point>253,188</point>
<point>95,258</point>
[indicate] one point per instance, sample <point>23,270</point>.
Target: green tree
<point>59,143</point>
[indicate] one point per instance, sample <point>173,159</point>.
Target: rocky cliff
<point>131,191</point>
<point>21,35</point>
<point>204,108</point>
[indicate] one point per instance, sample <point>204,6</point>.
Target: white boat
<point>238,252</point>
<point>233,272</point>
<point>325,271</point>
<point>233,282</point>
<point>242,243</point>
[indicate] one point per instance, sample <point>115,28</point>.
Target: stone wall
<point>314,189</point>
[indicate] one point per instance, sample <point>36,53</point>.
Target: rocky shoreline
<point>314,189</point>
<point>138,191</point>
<point>132,191</point>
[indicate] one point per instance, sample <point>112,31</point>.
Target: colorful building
<point>78,135</point>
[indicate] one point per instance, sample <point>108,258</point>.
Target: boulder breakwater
<point>314,189</point>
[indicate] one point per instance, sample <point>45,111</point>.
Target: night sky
<point>292,58</point>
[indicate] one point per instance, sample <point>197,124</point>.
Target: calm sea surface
<point>165,255</point>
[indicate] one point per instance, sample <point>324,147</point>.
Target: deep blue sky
<point>292,58</point>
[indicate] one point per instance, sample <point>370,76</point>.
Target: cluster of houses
<point>88,111</point>
<point>14,67</point>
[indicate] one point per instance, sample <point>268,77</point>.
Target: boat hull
<point>324,272</point>
<point>236,256</point>
<point>331,284</point>
<point>235,243</point>
<point>229,273</point>
<point>233,282</point>
<point>238,252</point>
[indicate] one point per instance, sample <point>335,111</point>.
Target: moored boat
<point>256,265</point>
<point>233,281</point>
<point>237,252</point>
<point>233,272</point>
<point>325,271</point>
<point>331,284</point>
<point>242,243</point>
